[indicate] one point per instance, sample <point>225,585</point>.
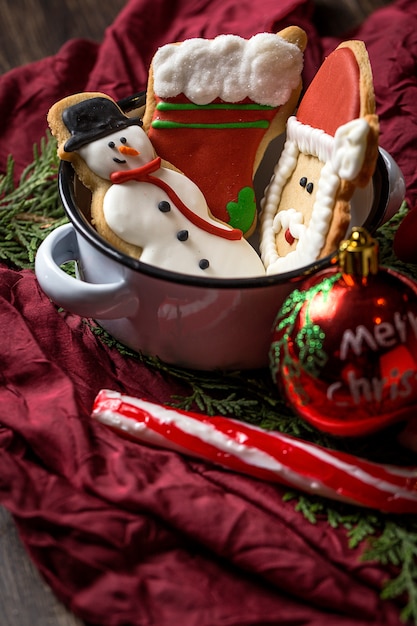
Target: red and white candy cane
<point>269,456</point>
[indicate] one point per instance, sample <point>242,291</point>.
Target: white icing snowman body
<point>143,214</point>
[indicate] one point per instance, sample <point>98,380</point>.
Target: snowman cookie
<point>144,209</point>
<point>331,149</point>
<point>214,105</point>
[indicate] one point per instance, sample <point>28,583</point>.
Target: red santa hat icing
<point>339,76</point>
<point>337,103</point>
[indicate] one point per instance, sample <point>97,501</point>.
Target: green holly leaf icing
<point>242,212</point>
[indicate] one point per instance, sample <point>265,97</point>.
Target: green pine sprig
<point>388,540</point>
<point>397,546</point>
<point>385,236</point>
<point>30,209</point>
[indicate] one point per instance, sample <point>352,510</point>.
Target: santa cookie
<point>331,148</point>
<point>142,208</point>
<point>213,106</point>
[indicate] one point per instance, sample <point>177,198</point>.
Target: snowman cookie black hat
<point>94,118</point>
<point>67,150</point>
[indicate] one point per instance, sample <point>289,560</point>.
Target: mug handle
<point>100,301</point>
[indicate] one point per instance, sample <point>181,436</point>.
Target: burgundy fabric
<point>124,534</point>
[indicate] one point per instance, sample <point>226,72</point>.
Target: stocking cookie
<point>141,207</point>
<point>331,148</point>
<point>213,106</point>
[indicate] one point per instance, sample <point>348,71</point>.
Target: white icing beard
<point>291,220</point>
<point>341,155</point>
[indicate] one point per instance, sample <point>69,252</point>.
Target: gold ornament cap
<point>359,255</point>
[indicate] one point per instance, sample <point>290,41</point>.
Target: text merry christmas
<point>383,335</point>
<point>397,382</point>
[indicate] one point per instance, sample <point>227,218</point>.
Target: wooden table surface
<point>25,599</point>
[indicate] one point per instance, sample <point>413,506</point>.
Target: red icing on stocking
<point>214,147</point>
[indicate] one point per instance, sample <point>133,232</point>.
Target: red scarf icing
<point>143,174</point>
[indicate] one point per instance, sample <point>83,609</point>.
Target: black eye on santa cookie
<point>308,186</point>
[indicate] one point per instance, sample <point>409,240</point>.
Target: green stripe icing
<point>219,126</point>
<point>185,106</point>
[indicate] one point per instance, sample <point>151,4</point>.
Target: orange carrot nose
<point>128,151</point>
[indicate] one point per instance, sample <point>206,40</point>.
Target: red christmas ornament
<point>344,346</point>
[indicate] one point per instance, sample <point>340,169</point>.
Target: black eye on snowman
<point>111,144</point>
<point>123,140</point>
